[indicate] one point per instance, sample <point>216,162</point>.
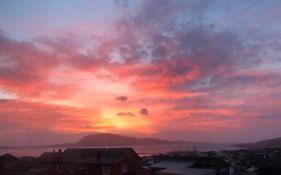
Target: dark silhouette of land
<point>106,139</point>
<point>269,143</point>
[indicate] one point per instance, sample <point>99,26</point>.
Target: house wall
<point>78,169</point>
<point>133,163</point>
<point>132,160</point>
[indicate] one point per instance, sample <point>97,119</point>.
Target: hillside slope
<point>270,143</point>
<point>105,139</point>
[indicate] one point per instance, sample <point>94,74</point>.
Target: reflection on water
<point>140,149</point>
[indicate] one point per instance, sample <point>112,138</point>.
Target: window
<point>105,170</point>
<point>125,168</point>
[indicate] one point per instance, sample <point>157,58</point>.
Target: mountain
<point>270,143</point>
<point>105,139</point>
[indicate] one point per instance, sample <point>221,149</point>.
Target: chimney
<point>60,151</point>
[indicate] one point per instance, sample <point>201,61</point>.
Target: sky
<point>197,70</point>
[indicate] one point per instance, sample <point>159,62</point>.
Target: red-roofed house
<point>92,161</point>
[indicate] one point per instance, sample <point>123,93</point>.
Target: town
<point>125,161</point>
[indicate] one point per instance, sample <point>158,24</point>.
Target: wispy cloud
<point>191,67</point>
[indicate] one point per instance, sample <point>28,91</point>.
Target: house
<point>4,161</point>
<point>216,163</point>
<point>179,167</point>
<point>91,161</point>
<point>7,158</point>
<point>190,165</point>
<point>269,166</point>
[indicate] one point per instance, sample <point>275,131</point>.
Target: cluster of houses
<point>125,161</point>
<point>104,161</point>
<point>77,161</point>
<point>253,162</point>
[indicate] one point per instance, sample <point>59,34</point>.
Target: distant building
<point>270,166</point>
<point>5,160</point>
<point>190,166</point>
<point>91,161</point>
<point>176,167</point>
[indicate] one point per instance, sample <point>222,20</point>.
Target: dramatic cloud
<point>193,66</point>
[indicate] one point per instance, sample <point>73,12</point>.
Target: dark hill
<point>270,143</point>
<point>105,139</point>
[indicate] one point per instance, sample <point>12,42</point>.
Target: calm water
<point>141,150</point>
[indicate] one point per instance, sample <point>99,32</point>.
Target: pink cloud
<point>185,77</point>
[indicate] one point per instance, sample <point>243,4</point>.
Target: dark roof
<point>18,165</point>
<point>48,157</point>
<point>270,163</point>
<point>200,160</point>
<point>88,155</point>
<point>7,158</point>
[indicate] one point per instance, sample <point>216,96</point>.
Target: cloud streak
<point>183,64</point>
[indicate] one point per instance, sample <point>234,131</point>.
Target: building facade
<point>92,161</point>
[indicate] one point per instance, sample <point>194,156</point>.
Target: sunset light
<point>206,71</point>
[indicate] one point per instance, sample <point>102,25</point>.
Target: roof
<point>189,171</point>
<point>88,155</point>
<point>173,164</point>
<point>48,157</point>
<point>7,158</point>
<point>270,162</point>
<point>18,165</point>
<point>180,167</point>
